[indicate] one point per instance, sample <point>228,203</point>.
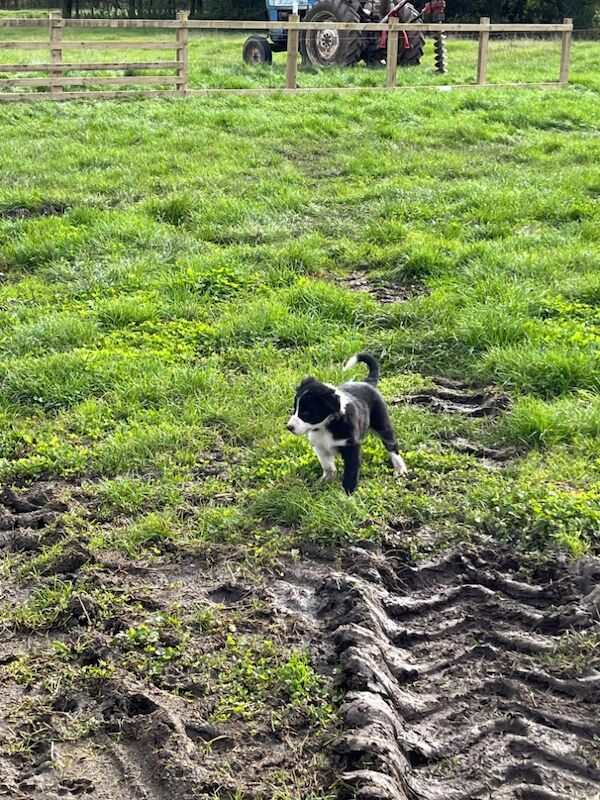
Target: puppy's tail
<point>372,364</point>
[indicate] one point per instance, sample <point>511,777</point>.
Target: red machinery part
<point>395,12</point>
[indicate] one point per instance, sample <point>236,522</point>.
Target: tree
<point>585,13</point>
<point>233,9</point>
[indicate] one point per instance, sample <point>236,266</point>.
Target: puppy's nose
<point>290,427</point>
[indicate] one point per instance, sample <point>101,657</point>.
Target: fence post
<point>291,68</point>
<point>391,58</point>
<point>565,56</point>
<point>56,24</point>
<point>482,56</point>
<point>182,52</point>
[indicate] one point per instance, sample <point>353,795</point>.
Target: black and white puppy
<point>337,418</point>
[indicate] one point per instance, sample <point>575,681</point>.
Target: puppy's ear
<point>331,401</point>
<point>306,381</point>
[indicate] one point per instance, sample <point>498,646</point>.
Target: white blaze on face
<point>298,426</point>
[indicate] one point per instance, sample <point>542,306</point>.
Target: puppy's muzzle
<point>296,425</point>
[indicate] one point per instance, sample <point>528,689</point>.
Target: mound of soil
<point>23,516</point>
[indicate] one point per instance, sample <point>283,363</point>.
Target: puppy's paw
<point>400,467</point>
<point>327,476</point>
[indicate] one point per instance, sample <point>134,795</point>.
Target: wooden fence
<point>58,69</point>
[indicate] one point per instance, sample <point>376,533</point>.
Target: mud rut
<point>380,290</point>
<point>449,689</point>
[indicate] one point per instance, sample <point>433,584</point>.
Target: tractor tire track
<point>451,689</point>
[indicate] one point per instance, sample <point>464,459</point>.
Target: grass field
<point>170,270</point>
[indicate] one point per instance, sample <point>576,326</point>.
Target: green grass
<point>182,289</point>
<point>31,13</point>
<point>168,275</point>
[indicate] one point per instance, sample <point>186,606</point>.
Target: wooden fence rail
<point>59,79</point>
<point>57,68</point>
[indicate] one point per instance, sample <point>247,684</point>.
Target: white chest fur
<point>322,440</point>
<point>324,446</point>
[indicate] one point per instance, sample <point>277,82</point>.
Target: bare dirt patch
<point>212,463</point>
<point>496,455</point>
<point>29,212</point>
<point>460,397</point>
<point>379,289</point>
<point>492,458</point>
<point>148,680</point>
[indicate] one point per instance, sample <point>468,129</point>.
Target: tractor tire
<point>332,47</point>
<point>411,56</point>
<point>257,50</point>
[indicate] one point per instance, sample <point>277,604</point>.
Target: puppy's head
<point>315,402</point>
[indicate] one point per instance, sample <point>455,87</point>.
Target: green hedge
<point>585,13</point>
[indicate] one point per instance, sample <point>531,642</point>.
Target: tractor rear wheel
<point>411,56</point>
<point>329,47</point>
<point>257,50</point>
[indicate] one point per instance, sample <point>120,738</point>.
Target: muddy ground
<point>380,289</point>
<point>468,677</point>
<point>474,675</point>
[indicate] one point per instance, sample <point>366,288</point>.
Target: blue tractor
<point>342,48</point>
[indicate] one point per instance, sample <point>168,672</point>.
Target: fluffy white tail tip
<point>352,362</point>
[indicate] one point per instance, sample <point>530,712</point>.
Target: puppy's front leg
<point>326,459</point>
<point>351,456</point>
